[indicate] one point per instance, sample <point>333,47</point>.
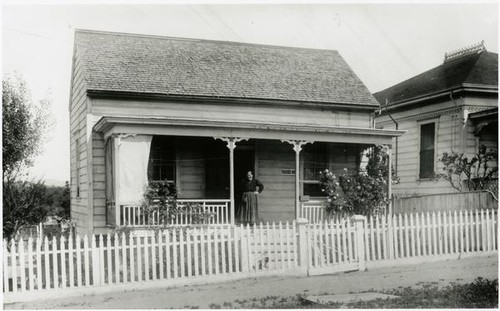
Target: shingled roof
<point>479,69</point>
<point>129,63</point>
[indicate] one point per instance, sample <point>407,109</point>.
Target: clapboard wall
<point>452,134</point>
<point>80,209</point>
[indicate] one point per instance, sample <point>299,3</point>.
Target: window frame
<point>303,170</point>
<point>436,127</point>
<point>174,163</point>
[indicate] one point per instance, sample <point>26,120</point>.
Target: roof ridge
<point>465,51</point>
<point>415,77</point>
<point>162,37</point>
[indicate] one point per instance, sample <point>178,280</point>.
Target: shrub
<point>466,174</point>
<point>22,204</point>
<point>359,191</point>
<point>160,202</point>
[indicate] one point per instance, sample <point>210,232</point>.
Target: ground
<point>439,273</point>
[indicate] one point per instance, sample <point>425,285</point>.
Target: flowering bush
<point>353,192</point>
<point>466,174</point>
<point>361,192</point>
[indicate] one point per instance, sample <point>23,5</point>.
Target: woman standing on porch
<point>251,187</point>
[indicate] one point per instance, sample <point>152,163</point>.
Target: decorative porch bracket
<point>231,144</point>
<point>297,147</point>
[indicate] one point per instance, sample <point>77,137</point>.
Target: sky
<point>383,43</point>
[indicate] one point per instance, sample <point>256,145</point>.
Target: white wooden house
<point>201,114</point>
<point>452,107</point>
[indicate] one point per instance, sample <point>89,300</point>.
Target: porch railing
<point>313,211</point>
<point>136,215</point>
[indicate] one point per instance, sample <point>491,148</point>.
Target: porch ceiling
<point>108,126</point>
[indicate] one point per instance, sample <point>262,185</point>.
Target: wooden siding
<point>451,134</point>
<point>445,202</point>
<point>78,134</point>
<point>99,181</point>
<point>202,111</point>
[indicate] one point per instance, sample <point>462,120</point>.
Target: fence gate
<point>335,246</point>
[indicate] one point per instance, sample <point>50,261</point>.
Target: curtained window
<point>427,142</point>
<point>132,168</point>
<point>162,159</point>
<point>315,160</point>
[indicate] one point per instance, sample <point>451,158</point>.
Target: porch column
<point>297,147</point>
<point>116,172</point>
<point>231,144</point>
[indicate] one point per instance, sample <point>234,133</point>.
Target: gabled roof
<point>479,69</point>
<point>141,64</point>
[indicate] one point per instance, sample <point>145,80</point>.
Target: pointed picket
<point>203,247</point>
<point>13,260</point>
<point>6,267</point>
<point>439,234</point>
<point>31,274</point>
<point>71,259</point>
<point>55,265</point>
<point>62,243</point>
<point>22,267</point>
<point>86,265</point>
<point>38,263</point>
<point>222,248</point>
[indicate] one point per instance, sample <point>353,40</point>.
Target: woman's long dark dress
<point>249,201</point>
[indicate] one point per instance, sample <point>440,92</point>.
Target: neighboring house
<point>452,107</point>
<point>201,114</point>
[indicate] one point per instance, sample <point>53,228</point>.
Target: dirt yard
<point>440,273</point>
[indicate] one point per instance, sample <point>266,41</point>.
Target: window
<point>427,140</point>
<point>315,161</point>
<point>162,159</point>
<point>216,170</point>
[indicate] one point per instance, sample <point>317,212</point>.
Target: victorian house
<point>201,114</point>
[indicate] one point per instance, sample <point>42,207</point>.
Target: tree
<point>24,131</point>
<point>466,174</point>
<point>24,125</point>
<point>56,201</point>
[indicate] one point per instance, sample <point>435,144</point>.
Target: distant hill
<point>54,182</point>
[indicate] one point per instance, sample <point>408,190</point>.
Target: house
<point>201,114</point>
<point>452,107</point>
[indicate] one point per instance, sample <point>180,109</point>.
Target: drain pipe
<point>397,128</point>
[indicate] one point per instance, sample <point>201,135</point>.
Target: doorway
<point>244,161</point>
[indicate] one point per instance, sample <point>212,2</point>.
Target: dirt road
<point>440,273</point>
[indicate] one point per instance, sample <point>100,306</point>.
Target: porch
<point>207,168</point>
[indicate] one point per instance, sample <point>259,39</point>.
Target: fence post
<point>390,235</point>
<point>244,236</point>
<point>303,244</point>
<point>358,221</point>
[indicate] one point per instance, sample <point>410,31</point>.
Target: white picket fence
<point>417,235</point>
<point>223,251</point>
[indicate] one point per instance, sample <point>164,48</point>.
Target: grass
<point>482,293</point>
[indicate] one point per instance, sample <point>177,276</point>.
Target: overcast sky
<point>383,43</point>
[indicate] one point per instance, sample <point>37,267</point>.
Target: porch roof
<point>109,125</point>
